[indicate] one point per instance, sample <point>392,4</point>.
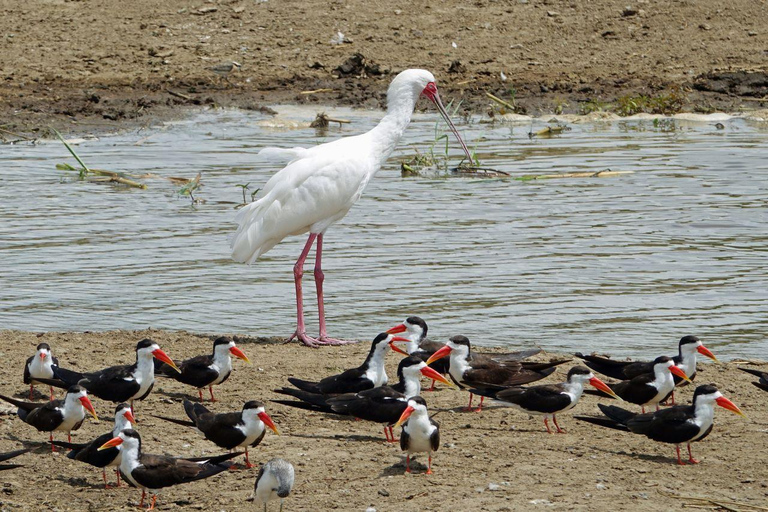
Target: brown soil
<point>106,65</point>
<point>346,465</point>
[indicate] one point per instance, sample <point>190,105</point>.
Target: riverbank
<point>495,460</point>
<point>99,67</point>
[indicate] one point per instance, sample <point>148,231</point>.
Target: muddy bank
<point>495,460</point>
<point>105,66</point>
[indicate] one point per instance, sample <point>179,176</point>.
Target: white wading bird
<point>320,184</point>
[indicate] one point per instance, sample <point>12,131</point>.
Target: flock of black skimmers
<point>363,393</point>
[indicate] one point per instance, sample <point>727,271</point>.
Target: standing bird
<point>10,455</point>
<point>320,184</point>
<point>204,371</point>
<point>649,388</point>
<point>674,425</point>
<point>153,472</point>
<point>40,365</point>
<point>762,383</point>
<point>89,452</point>
<point>549,400</point>
<point>480,370</point>
<point>275,480</point>
<point>124,383</point>
<point>230,429</point>
<point>685,359</point>
<point>420,432</point>
<point>224,69</point>
<point>62,415</point>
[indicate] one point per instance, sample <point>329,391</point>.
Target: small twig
<point>500,101</point>
<point>178,95</point>
<point>720,503</point>
<point>72,151</point>
<point>316,91</point>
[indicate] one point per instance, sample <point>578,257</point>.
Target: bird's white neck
<point>387,133</point>
<point>129,461</point>
<point>412,384</point>
<point>688,358</point>
<point>41,367</point>
<point>251,427</point>
<point>375,371</point>
<point>458,362</point>
<point>574,389</point>
<point>222,360</point>
<point>663,380</point>
<point>703,414</point>
<point>144,373</point>
<point>121,423</point>
<point>73,412</point>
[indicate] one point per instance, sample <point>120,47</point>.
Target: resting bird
<point>153,472</point>
<point>762,383</point>
<point>40,365</point>
<point>10,455</point>
<point>319,186</point>
<point>89,452</point>
<point>275,480</point>
<point>483,371</point>
<point>685,359</point>
<point>62,415</point>
<point>204,371</point>
<point>675,425</point>
<point>229,429</point>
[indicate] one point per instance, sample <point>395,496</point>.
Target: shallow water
<point>624,265</point>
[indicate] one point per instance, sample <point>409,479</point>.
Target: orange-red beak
<point>676,370</point>
<point>129,416</point>
<point>42,355</point>
<point>397,329</point>
<point>239,354</point>
<point>395,347</point>
<point>89,406</point>
<point>434,375</point>
<point>706,352</point>
<point>727,404</point>
<point>444,351</point>
<point>403,417</point>
<point>115,441</point>
<point>602,386</point>
<point>162,356</point>
<point>264,417</point>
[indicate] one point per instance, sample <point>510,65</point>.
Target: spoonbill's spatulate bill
<point>320,184</point>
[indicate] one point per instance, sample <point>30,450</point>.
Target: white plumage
<point>319,185</point>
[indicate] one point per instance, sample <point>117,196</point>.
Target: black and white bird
<point>368,375</point>
<point>649,389</point>
<point>89,452</point>
<point>762,383</point>
<point>386,404</point>
<point>229,430</point>
<point>116,384</point>
<point>476,371</point>
<point>549,400</point>
<point>153,472</point>
<point>275,480</point>
<point>57,415</point>
<point>685,359</point>
<point>675,425</point>
<point>10,455</point>
<point>420,432</point>
<point>204,371</point>
<point>40,365</point>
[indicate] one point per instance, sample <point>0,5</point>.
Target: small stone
<point>705,26</point>
<point>629,11</point>
<point>553,14</point>
<point>493,487</point>
<point>601,487</point>
<point>383,492</point>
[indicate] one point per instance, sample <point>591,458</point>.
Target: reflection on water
<point>625,265</point>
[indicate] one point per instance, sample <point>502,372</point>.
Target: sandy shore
<point>495,460</point>
<point>84,66</point>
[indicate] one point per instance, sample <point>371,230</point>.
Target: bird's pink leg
<point>429,468</point>
<point>559,430</point>
<point>200,394</point>
<point>546,424</point>
<point>213,398</point>
<point>117,473</point>
<point>319,278</point>
<point>248,464</point>
<point>51,392</point>
<point>298,272</point>
<point>679,460</point>
<point>31,388</point>
<point>408,463</point>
